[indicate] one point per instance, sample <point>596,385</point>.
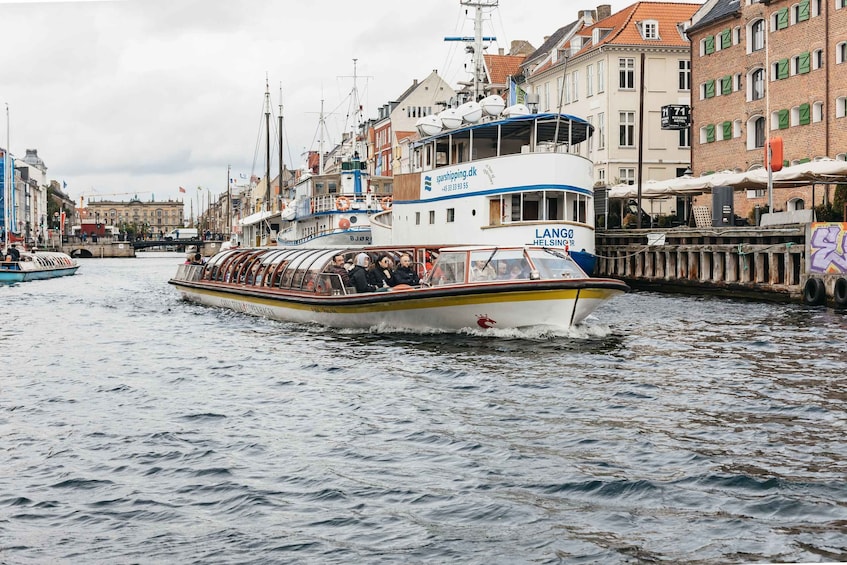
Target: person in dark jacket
<point>359,275</point>
<point>405,273</point>
<point>382,275</point>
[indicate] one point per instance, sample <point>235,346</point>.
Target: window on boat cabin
<point>449,269</point>
<point>451,215</point>
<point>417,218</point>
<point>442,152</point>
<point>432,216</point>
<point>332,188</point>
<point>319,188</point>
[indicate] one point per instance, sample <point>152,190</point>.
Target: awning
<point>822,171</point>
<point>256,218</point>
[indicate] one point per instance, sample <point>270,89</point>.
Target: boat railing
<point>349,203</point>
<point>333,284</point>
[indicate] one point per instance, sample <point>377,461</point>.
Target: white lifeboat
<point>450,118</point>
<point>429,125</point>
<point>471,112</point>
<point>516,110</point>
<point>492,105</point>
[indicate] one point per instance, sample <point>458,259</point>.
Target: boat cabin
<point>309,270</point>
<point>536,133</point>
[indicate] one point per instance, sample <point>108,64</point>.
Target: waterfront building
<point>27,196</point>
<point>396,121</point>
<point>605,68</point>
<point>148,219</point>
<point>764,69</point>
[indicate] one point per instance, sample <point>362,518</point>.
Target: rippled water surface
<point>137,428</point>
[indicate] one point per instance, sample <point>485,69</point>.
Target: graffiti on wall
<point>828,248</point>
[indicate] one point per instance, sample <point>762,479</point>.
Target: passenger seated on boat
<point>359,274</point>
<point>516,272</point>
<point>482,271</point>
<point>337,268</point>
<point>14,254</point>
<point>383,276</point>
<point>404,273</point>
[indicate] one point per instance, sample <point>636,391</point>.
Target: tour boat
<point>37,265</point>
<point>477,287</point>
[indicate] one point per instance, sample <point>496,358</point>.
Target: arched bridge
<point>145,243</point>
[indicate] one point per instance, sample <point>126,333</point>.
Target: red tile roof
<point>501,67</point>
<point>625,28</point>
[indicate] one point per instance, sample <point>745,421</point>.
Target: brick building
<point>761,69</point>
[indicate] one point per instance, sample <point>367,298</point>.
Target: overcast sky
<point>145,96</point>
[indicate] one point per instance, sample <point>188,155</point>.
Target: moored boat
<point>465,287</point>
<point>37,265</point>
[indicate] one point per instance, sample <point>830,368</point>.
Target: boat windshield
<point>555,264</point>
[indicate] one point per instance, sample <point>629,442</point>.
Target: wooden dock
<point>748,262</point>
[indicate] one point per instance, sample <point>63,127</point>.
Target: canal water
<point>137,428</point>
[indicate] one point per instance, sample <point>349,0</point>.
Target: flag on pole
<point>200,188</point>
<point>182,190</point>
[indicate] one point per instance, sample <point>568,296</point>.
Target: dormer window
<point>650,29</point>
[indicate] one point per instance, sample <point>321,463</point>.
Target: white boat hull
<point>420,309</point>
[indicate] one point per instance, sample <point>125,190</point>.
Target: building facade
<point>147,219</point>
<point>765,69</point>
<point>618,72</point>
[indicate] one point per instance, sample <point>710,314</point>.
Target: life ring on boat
<point>342,203</point>
<point>814,292</point>
<point>839,292</point>
<point>386,202</point>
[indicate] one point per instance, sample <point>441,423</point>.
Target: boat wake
<point>590,330</point>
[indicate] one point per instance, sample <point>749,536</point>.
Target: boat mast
<point>281,166</point>
<point>6,191</point>
<point>321,126</point>
<point>229,201</point>
<point>267,145</point>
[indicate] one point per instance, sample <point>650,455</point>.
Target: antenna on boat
<point>479,66</point>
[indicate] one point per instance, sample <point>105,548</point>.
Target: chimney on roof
<point>500,51</point>
<point>587,16</point>
<point>604,11</point>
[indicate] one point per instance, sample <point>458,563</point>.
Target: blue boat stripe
<point>564,187</point>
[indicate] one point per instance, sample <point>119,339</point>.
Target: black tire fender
<point>814,292</point>
<point>839,293</point>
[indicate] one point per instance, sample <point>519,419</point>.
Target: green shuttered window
<point>803,11</point>
<point>726,85</point>
<point>782,19</point>
<point>804,63</point>
<point>783,119</point>
<point>727,130</point>
<point>726,38</point>
<point>782,69</point>
<point>710,45</point>
<point>710,134</point>
<point>805,114</point>
<point>710,89</point>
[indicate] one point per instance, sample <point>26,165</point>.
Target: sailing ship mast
<point>281,165</point>
<point>6,188</point>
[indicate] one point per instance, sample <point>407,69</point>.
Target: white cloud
<point>150,95</point>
